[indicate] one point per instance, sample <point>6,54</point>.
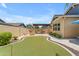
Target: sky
<point>30,13</point>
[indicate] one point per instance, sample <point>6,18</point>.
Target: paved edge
<point>72,54</point>
<point>71,49</point>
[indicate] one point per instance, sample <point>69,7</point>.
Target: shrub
<point>55,35</point>
<point>5,38</point>
<point>50,33</point>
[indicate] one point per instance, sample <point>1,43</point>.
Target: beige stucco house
<point>67,25</point>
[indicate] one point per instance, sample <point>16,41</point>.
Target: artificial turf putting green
<point>34,46</point>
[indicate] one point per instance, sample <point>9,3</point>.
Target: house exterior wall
<point>16,31</point>
<point>70,29</point>
<point>61,21</point>
<point>67,29</point>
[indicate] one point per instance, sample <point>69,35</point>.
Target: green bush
<point>55,35</point>
<point>50,33</point>
<point>5,38</point>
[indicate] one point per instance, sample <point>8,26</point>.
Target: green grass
<point>34,46</point>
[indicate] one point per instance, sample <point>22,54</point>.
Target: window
<point>59,27</point>
<point>59,24</point>
<point>56,27</point>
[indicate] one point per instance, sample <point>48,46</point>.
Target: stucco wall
<point>16,31</point>
<point>61,21</point>
<point>67,29</point>
<point>71,30</point>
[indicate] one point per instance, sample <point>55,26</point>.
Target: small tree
<point>29,26</point>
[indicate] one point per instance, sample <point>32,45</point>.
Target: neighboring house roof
<point>41,24</point>
<point>14,24</point>
<point>1,21</point>
<point>11,24</point>
<point>17,24</point>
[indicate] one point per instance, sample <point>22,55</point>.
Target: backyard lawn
<point>33,46</point>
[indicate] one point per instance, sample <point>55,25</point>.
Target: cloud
<point>27,20</point>
<point>4,5</point>
<point>10,18</point>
